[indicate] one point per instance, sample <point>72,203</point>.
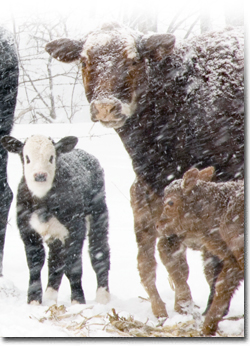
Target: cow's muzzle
<point>108,112</point>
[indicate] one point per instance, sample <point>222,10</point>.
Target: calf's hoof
<point>184,307</point>
<point>34,302</point>
<point>74,302</point>
<point>102,295</point>
<point>210,327</point>
<point>50,296</point>
<point>159,309</point>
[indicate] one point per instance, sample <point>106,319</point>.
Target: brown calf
<point>211,214</point>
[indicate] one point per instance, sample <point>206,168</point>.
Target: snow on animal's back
<point>78,175</point>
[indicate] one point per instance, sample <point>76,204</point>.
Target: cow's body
<point>174,108</point>
<point>8,94</point>
<point>211,215</point>
<point>74,204</point>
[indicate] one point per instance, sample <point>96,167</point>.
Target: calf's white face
<point>39,161</point>
<point>38,155</point>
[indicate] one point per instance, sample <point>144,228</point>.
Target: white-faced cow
<point>212,214</point>
<point>8,94</point>
<point>174,107</point>
<point>61,195</point>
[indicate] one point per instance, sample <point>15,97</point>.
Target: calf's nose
<point>40,177</point>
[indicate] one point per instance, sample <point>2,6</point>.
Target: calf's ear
<point>66,144</point>
<point>12,144</point>
<point>206,174</point>
<point>190,179</point>
<point>157,46</point>
<point>64,49</point>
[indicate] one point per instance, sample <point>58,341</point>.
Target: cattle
<point>212,215</point>
<point>174,106</point>
<point>8,95</point>
<point>60,197</point>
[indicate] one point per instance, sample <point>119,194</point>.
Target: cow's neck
<point>148,134</point>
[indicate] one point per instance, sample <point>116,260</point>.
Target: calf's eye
<point>27,159</point>
<point>171,203</point>
<point>51,159</point>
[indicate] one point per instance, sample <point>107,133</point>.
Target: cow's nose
<point>40,177</point>
<point>93,111</point>
<point>103,110</point>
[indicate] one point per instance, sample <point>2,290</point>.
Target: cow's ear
<point>12,144</point>
<point>66,144</point>
<point>64,49</point>
<point>157,46</point>
<point>206,174</point>
<point>190,179</point>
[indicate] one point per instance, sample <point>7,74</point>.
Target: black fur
<point>8,94</point>
<point>78,191</point>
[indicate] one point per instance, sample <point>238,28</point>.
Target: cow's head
<point>39,156</point>
<point>113,68</point>
<point>181,202</point>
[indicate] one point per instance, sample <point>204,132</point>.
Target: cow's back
<point>192,112</point>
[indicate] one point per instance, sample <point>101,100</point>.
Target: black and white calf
<point>61,195</point>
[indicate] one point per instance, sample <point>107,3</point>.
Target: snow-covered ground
<point>17,319</point>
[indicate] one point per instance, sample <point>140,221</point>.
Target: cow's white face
<point>39,164</point>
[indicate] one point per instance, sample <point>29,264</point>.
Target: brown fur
<point>211,214</point>
<point>187,110</point>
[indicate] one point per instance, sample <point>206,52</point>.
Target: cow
<point>213,215</point>
<point>60,197</point>
<point>8,94</point>
<point>174,106</point>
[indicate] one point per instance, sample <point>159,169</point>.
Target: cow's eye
<point>51,159</point>
<point>83,64</point>
<point>171,203</point>
<point>27,159</point>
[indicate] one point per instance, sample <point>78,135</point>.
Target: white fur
<point>39,150</point>
<point>129,108</point>
<point>102,39</point>
<point>131,47</point>
<point>102,296</point>
<point>34,302</point>
<point>51,229</point>
<point>50,296</point>
<point>93,40</point>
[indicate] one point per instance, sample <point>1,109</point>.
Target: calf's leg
<point>98,246</point>
<point>56,266</point>
<point>212,268</point>
<point>227,282</point>
<point>145,231</point>
<point>173,256</point>
<point>35,255</point>
<point>73,261</point>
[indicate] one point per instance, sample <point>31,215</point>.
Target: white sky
<point>106,9</point>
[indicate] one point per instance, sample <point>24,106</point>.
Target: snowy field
<point>17,319</point>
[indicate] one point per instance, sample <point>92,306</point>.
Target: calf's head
<point>39,158</point>
<point>181,200</point>
<point>114,72</point>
